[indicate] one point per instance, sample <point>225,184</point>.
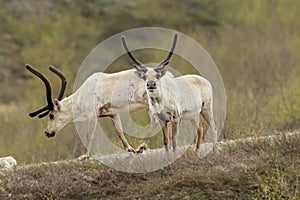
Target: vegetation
<point>255,44</point>
<point>243,172</point>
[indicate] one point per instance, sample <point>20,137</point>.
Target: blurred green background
<point>255,44</point>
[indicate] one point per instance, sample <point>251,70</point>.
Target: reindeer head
<point>57,117</point>
<point>151,76</point>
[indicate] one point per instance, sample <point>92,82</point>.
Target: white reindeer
<point>171,99</point>
<point>95,98</point>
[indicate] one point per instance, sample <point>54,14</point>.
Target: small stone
<point>7,163</point>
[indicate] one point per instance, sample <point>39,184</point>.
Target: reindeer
<point>95,98</point>
<point>173,99</point>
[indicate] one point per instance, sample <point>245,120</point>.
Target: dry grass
<point>260,171</point>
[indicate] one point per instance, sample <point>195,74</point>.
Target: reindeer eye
<point>51,117</point>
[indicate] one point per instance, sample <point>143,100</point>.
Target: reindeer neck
<point>67,107</point>
<point>155,103</point>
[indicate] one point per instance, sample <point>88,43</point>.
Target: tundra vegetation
<point>256,46</point>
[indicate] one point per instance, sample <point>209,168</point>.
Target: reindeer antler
<point>50,105</point>
<point>138,65</point>
<point>63,81</point>
<point>166,61</point>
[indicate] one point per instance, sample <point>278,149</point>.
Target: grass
<point>259,171</point>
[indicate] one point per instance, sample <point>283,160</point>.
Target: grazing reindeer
<point>171,99</point>
<point>80,106</point>
<point>95,98</point>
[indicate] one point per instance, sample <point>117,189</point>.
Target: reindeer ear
<point>140,74</point>
<point>57,104</point>
<point>160,72</point>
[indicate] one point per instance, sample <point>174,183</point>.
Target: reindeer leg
<point>198,126</point>
<point>199,137</point>
<point>209,118</point>
<point>90,135</point>
<point>84,156</point>
<point>164,127</point>
<point>142,145</point>
<point>170,125</point>
<point>174,130</point>
<point>117,122</point>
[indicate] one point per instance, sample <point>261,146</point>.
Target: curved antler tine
<point>167,59</point>
<point>50,105</point>
<point>63,81</point>
<point>33,114</point>
<point>140,66</point>
<point>44,114</point>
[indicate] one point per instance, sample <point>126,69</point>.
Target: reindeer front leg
<point>90,135</point>
<point>117,122</point>
<point>174,132</point>
<point>164,127</point>
<point>143,142</point>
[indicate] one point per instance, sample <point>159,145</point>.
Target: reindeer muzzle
<point>52,134</point>
<point>151,86</point>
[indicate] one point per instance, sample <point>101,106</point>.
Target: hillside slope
<point>246,170</point>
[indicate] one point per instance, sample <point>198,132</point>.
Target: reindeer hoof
<point>141,149</point>
<point>131,150</point>
<point>83,157</point>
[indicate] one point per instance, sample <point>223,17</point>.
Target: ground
<point>260,170</point>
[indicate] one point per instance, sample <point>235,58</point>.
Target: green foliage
<point>284,107</point>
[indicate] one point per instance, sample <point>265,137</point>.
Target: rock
<point>7,163</point>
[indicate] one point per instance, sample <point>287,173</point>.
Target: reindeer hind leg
<point>197,125</point>
<point>117,122</point>
<point>207,114</point>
